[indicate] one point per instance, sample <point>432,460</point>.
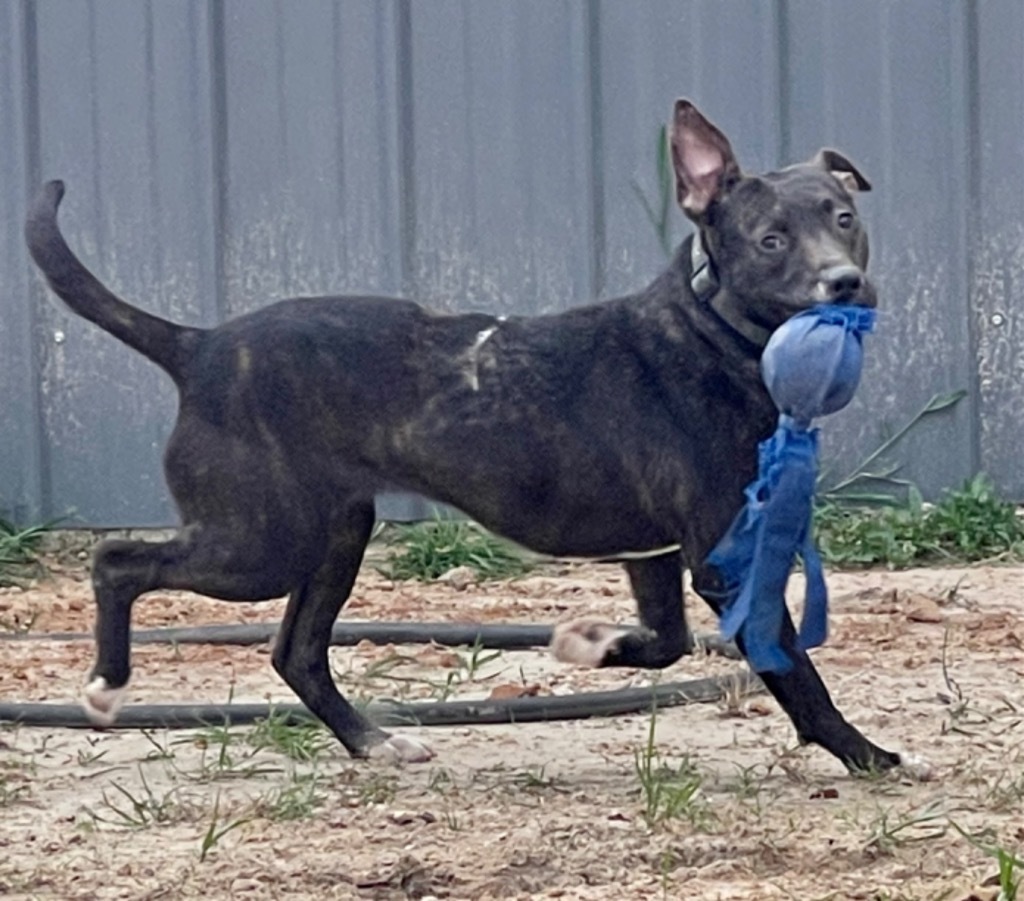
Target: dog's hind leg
<point>663,636</point>
<point>300,649</point>
<point>210,561</point>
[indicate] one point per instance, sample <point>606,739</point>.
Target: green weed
<point>441,781</point>
<point>13,788</point>
<point>19,547</point>
<point>383,675</point>
<point>969,524</point>
<point>87,757</point>
<point>295,801</point>
<point>889,832</point>
<point>219,751</point>
<point>659,211</point>
<point>378,789</point>
<point>217,829</point>
<point>227,751</point>
<point>1009,865</point>
<point>1006,794</point>
<point>160,749</point>
<point>426,551</point>
<point>669,792</point>
<point>17,770</point>
<point>138,810</point>
<point>304,742</point>
<point>862,483</point>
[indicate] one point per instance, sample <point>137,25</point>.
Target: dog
<point>626,428</point>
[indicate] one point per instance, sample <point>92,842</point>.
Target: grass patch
<point>19,548</point>
<point>891,831</point>
<point>666,791</point>
<point>13,788</point>
<point>303,742</point>
<point>218,829</point>
<point>969,524</point>
<point>426,551</point>
<point>230,752</point>
<point>1010,868</point>
<point>298,800</point>
<point>139,809</point>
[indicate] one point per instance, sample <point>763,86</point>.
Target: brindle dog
<point>623,428</point>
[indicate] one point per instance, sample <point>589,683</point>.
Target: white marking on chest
<point>472,356</point>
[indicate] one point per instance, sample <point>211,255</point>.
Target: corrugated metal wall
<point>481,155</point>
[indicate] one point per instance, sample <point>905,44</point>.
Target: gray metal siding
<point>482,155</point>
<point>995,257</point>
<point>888,90</point>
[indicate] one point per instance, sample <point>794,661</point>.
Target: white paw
<point>585,641</point>
<point>401,749</point>
<point>915,767</point>
<point>102,703</point>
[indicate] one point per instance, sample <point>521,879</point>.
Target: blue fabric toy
<point>811,366</point>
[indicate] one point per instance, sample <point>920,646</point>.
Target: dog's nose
<point>842,283</point>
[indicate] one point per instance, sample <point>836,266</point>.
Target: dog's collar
<point>706,288</point>
<point>703,278</point>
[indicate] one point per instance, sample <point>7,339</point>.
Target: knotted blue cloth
<point>811,367</point>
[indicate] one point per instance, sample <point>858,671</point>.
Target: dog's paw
<point>916,768</point>
<point>101,702</point>
<point>585,642</point>
<point>401,749</point>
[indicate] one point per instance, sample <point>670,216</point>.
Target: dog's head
<point>775,243</point>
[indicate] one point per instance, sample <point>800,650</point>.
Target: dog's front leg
<point>663,636</point>
<point>806,701</point>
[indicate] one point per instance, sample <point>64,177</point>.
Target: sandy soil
<point>551,811</point>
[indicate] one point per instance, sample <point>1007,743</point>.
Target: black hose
<point>343,634</point>
<point>443,713</point>
<point>347,633</point>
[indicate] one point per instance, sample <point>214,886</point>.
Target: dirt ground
<point>547,810</point>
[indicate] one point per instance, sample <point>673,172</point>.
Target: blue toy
<point>811,366</point>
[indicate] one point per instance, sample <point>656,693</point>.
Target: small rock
<point>460,577</point>
<point>923,609</point>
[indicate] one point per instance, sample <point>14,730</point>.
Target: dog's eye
<point>772,242</point>
<point>845,220</point>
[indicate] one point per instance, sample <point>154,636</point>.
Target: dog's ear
<point>702,158</point>
<point>841,169</point>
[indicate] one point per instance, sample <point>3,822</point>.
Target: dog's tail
<point>163,342</point>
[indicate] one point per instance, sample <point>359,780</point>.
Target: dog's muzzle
<point>846,284</point>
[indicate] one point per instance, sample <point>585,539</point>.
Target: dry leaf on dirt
<point>511,690</point>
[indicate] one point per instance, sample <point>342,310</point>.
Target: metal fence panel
<point>221,154</point>
<point>21,450</point>
<point>123,118</point>
<point>650,54</point>
<point>894,106</point>
<point>995,251</point>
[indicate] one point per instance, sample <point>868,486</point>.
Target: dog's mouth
<point>771,314</point>
<point>864,295</point>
